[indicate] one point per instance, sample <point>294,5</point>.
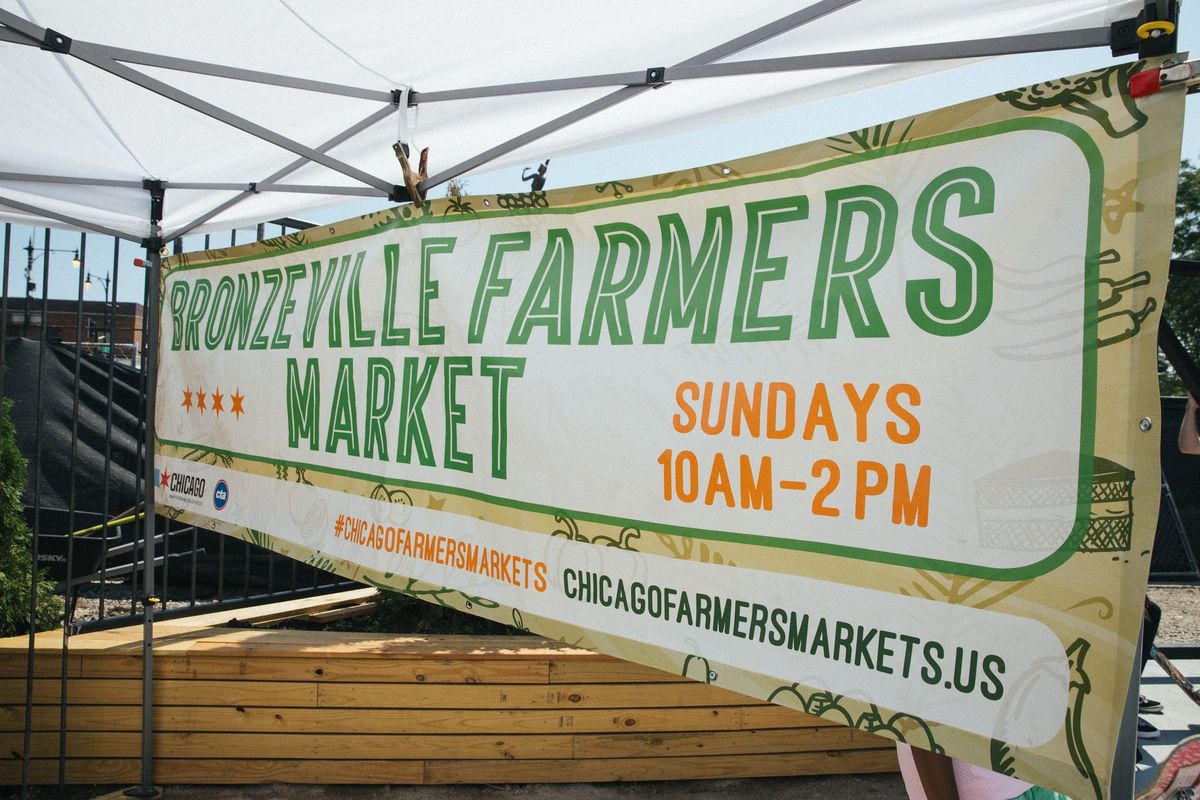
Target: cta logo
<point>221,495</point>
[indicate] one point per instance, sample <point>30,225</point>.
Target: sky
<point>697,148</point>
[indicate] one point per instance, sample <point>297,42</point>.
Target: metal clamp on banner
<point>1152,81</point>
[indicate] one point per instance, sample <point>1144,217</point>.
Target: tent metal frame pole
<point>98,58</point>
<point>760,34</point>
<point>216,70</point>
<point>150,347</point>
<point>1122,779</point>
<point>270,180</point>
<point>67,218</point>
<point>239,74</point>
<point>940,51</point>
<point>162,89</point>
<point>70,180</point>
<point>978,48</point>
<point>297,188</point>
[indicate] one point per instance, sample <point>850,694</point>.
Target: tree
<point>1182,307</point>
<point>16,558</point>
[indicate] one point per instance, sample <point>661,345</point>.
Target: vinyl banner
<point>865,427</point>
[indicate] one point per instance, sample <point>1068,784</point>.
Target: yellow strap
<point>111,523</point>
<point>1147,29</point>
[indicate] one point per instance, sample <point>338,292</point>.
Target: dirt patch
<point>818,787</point>
<point>1180,613</point>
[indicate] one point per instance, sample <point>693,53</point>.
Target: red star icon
<point>238,409</point>
<point>200,404</point>
<point>164,478</point>
<point>218,401</point>
<point>187,399</point>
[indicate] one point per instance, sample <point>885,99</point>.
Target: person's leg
<point>1150,619</point>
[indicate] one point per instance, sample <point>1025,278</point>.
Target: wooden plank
<point>318,668</point>
<point>758,717</point>
<point>850,762</point>
<point>615,695</point>
<point>286,643</point>
<point>607,670</point>
<point>46,664</point>
<point>657,745</point>
<point>239,771</point>
<point>79,718</point>
<point>98,691</point>
<point>337,614</point>
<point>91,770</point>
<point>172,637</point>
<point>380,721</point>
<point>350,747</point>
<point>255,771</point>
<point>439,746</point>
<point>90,745</point>
<point>280,610</point>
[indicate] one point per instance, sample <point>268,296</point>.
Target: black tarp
<point>51,465</point>
<point>1182,473</point>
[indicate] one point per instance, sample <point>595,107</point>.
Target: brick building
<point>100,323</point>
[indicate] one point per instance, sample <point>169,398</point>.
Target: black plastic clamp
<point>157,190</point>
<point>656,76</point>
<point>55,41</point>
<point>398,97</point>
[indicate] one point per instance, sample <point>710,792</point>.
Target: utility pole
<point>28,287</point>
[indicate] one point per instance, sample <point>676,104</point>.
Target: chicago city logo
<point>181,483</point>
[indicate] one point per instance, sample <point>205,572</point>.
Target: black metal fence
<point>79,377</point>
<point>1178,538</point>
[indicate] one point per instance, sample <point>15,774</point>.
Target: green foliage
<point>399,613</point>
<point>15,556</point>
<point>1182,309</point>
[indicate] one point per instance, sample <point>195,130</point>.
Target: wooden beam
<point>248,719</point>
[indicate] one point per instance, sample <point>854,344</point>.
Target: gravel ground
<point>1181,613</point>
<point>833,787</point>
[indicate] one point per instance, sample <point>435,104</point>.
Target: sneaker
<point>1146,730</point>
<point>1148,706</point>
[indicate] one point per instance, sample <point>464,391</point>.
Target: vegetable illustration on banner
<point>852,425</point>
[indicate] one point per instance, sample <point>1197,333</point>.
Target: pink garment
<point>974,783</point>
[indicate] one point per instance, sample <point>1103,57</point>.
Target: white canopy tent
<point>247,112</point>
<point>241,112</point>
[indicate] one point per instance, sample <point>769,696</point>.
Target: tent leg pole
<point>153,246</point>
<point>1125,757</point>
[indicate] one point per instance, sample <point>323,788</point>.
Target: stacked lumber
<point>253,705</point>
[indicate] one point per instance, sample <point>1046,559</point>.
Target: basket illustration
<point>1024,506</point>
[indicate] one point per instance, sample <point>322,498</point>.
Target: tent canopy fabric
<point>125,100</point>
